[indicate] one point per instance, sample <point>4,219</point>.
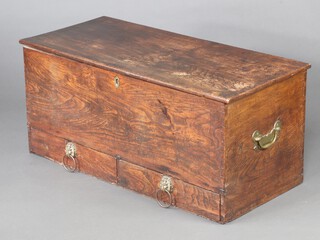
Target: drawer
<point>184,195</point>
<point>88,161</point>
<point>149,125</point>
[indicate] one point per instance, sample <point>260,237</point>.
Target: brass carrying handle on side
<point>262,142</point>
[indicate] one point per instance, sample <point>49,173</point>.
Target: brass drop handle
<point>165,186</point>
<point>70,153</point>
<point>262,142</point>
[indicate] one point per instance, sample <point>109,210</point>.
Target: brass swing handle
<point>262,142</point>
<point>165,186</point>
<point>70,153</point>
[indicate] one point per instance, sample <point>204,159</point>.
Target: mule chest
<point>213,129</point>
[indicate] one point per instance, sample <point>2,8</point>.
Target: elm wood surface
<point>185,108</point>
<point>254,177</point>
<point>159,128</point>
<point>90,161</point>
<point>200,67</point>
<point>185,196</point>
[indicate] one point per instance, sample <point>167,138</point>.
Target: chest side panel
<point>255,176</point>
<point>159,128</point>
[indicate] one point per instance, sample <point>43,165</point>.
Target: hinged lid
<point>200,67</point>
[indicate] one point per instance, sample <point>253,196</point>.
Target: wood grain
<point>155,127</point>
<point>89,161</point>
<point>185,196</point>
<point>185,107</point>
<point>254,177</point>
<point>196,66</point>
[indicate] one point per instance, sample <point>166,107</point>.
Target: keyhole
<point>116,81</point>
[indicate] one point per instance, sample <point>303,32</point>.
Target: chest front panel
<point>155,127</point>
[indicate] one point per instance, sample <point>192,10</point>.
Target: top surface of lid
<point>200,67</point>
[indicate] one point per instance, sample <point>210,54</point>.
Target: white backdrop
<point>38,200</point>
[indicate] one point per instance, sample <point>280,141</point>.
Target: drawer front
<point>162,129</point>
<point>88,161</point>
<point>185,196</point>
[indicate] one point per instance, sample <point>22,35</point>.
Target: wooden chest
<point>209,128</point>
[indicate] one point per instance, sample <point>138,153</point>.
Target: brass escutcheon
<point>116,80</point>
<point>262,142</point>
